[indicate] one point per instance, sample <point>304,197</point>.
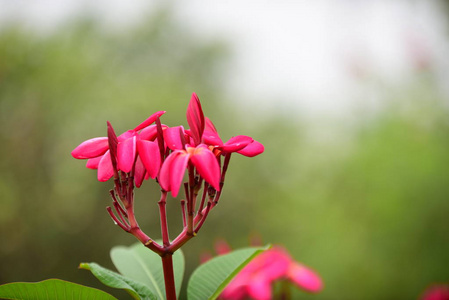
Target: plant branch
<point>163,216</point>
<point>183,212</point>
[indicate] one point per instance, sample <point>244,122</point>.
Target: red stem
<point>183,211</point>
<point>133,226</point>
<point>223,174</point>
<point>116,221</point>
<point>169,276</point>
<point>186,190</point>
<point>203,198</point>
<point>163,216</point>
<point>180,240</point>
<point>120,214</point>
<point>201,222</point>
<point>190,200</point>
<point>114,200</point>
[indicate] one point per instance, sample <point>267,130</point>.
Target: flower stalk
<point>163,217</point>
<point>169,276</point>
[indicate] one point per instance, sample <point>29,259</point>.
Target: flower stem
<point>190,200</point>
<point>163,216</point>
<point>284,293</point>
<point>203,198</point>
<point>203,216</point>
<point>169,276</point>
<point>223,174</point>
<point>183,212</point>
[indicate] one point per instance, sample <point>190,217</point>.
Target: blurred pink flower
<point>436,292</point>
<point>255,281</point>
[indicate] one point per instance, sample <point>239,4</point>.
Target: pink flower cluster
<point>158,151</point>
<point>255,281</point>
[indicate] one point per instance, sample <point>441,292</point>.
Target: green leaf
<point>143,265</point>
<point>51,289</point>
<point>112,279</point>
<point>210,279</point>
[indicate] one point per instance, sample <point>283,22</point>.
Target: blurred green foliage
<point>368,212</point>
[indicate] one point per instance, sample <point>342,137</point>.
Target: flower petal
<point>207,165</point>
<point>259,289</point>
<point>113,142</point>
<point>92,163</point>
<point>139,172</point>
<point>105,170</point>
<point>91,148</point>
<point>195,118</point>
<point>272,264</point>
<point>149,133</point>
<point>173,137</point>
<point>234,292</point>
<point>126,154</point>
<point>172,171</point>
<point>150,120</point>
<point>305,278</point>
<point>253,149</point>
<point>209,125</point>
<point>211,138</point>
<point>126,135</point>
<point>150,156</point>
<point>236,143</point>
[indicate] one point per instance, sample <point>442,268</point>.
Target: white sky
<point>303,53</point>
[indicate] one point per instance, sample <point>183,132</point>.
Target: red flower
<point>97,151</point>
<point>241,144</point>
<point>173,169</point>
<point>137,153</point>
<point>188,148</point>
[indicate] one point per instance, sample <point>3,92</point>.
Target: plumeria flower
<point>173,169</point>
<point>255,281</point>
<point>146,148</point>
<point>241,144</point>
<point>199,145</point>
<point>97,151</point>
<point>187,148</point>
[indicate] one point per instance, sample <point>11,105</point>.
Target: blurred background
<point>349,98</point>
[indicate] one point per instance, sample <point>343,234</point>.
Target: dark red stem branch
<point>223,174</point>
<point>183,212</point>
<point>203,218</point>
<point>190,200</point>
<point>169,276</point>
<point>116,221</point>
<point>163,217</point>
<point>203,198</point>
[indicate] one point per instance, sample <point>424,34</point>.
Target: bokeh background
<point>350,99</point>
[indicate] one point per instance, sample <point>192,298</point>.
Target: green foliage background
<point>367,208</point>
